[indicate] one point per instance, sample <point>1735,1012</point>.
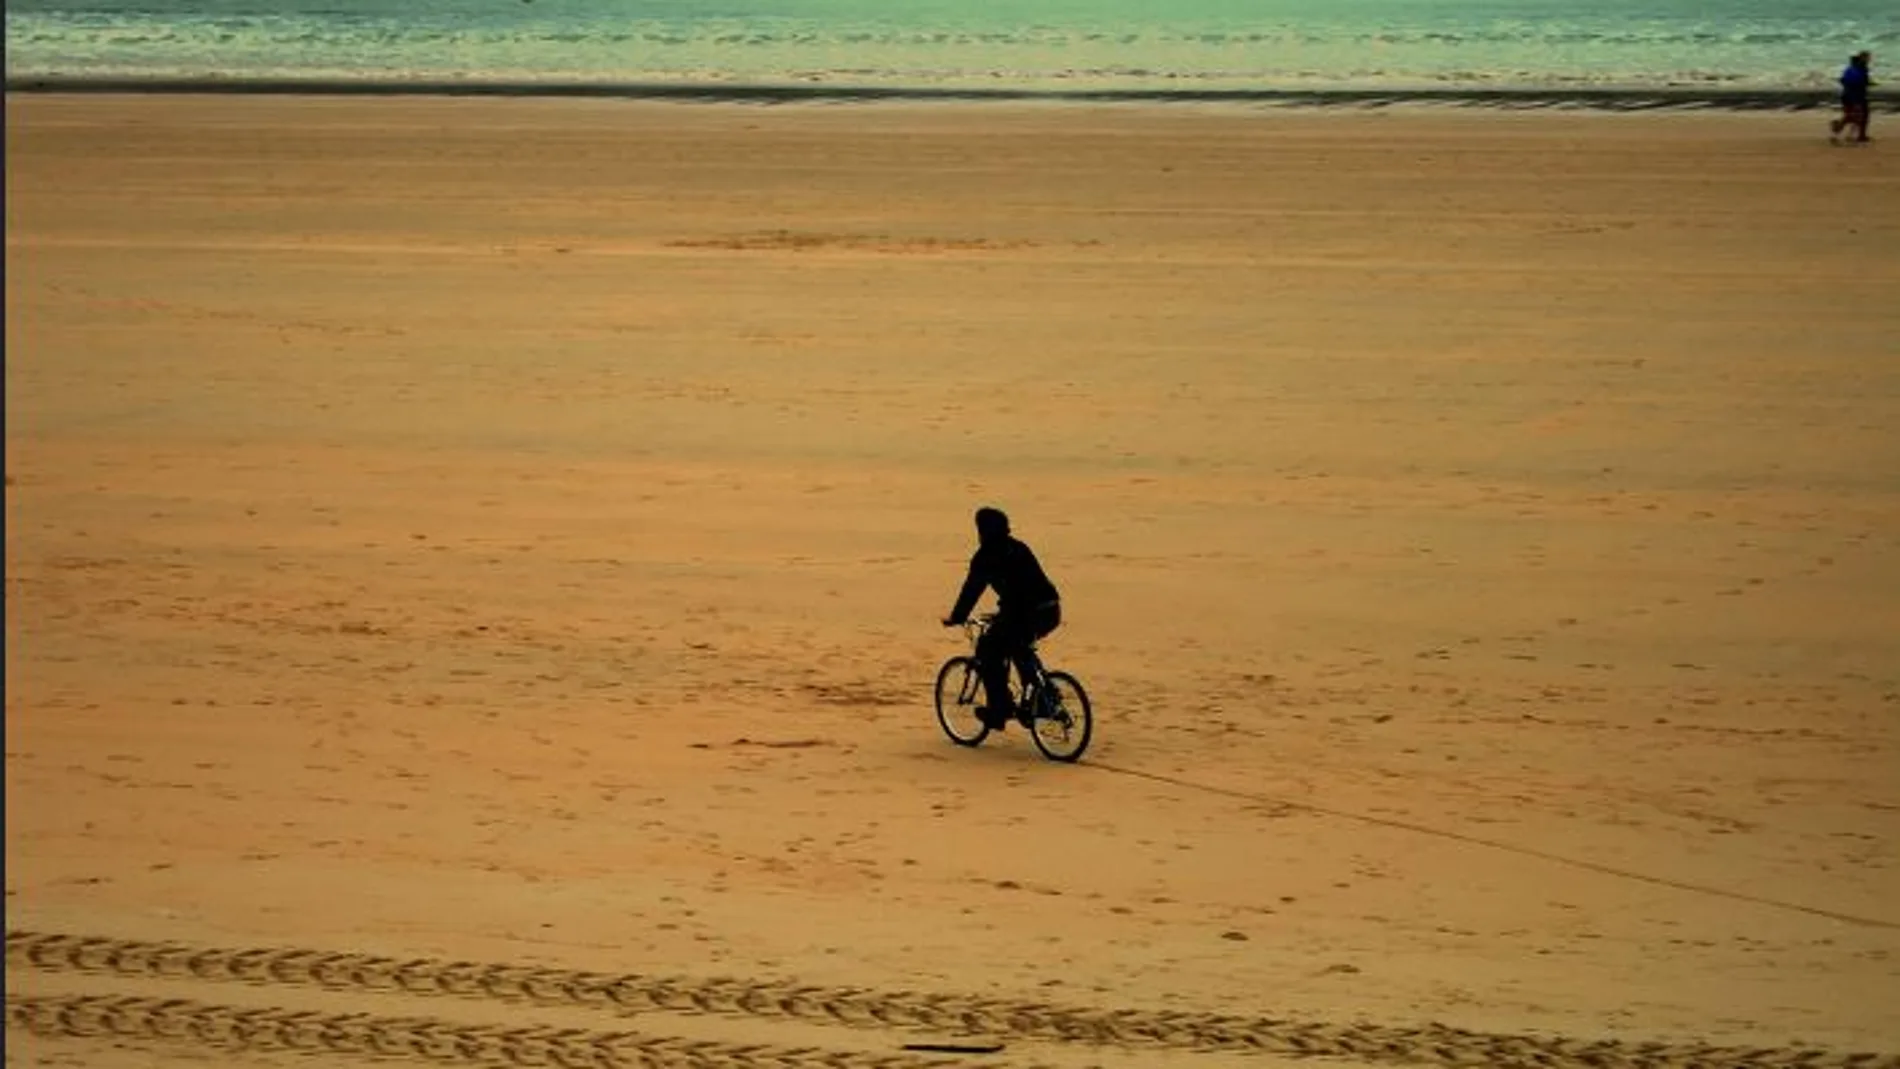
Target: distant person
<point>1027,608</point>
<point>1856,80</point>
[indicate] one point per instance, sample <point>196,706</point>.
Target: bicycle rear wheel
<point>1064,721</point>
<point>959,689</point>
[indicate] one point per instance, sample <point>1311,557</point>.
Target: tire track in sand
<point>1432,1045</point>
<point>238,1028</point>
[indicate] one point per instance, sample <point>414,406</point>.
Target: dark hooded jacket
<point>1006,566</point>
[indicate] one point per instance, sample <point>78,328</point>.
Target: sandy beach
<point>514,532</point>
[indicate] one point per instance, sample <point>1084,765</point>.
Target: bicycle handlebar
<point>974,626</point>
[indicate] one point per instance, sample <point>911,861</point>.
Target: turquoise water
<point>1038,45</point>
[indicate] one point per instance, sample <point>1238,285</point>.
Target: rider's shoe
<point>995,719</point>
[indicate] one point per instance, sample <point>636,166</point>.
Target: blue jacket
<point>1854,83</point>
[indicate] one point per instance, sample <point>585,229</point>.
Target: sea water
<point>1136,46</point>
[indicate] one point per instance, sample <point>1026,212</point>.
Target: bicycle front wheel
<point>1063,721</point>
<point>958,690</point>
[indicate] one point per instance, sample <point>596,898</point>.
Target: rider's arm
<point>973,585</point>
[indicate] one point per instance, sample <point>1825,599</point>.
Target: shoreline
<point>1580,99</point>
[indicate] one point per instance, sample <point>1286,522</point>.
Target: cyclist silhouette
<point>1027,608</point>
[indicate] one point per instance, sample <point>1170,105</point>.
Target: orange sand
<point>516,530</point>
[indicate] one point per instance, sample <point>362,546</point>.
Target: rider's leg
<point>993,652</point>
<point>1036,625</point>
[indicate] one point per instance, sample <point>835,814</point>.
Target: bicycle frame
<point>1032,683</point>
<point>1051,704</point>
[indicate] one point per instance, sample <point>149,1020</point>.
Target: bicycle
<point>1052,705</point>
